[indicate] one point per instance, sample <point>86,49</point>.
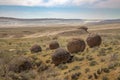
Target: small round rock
<point>53,45</point>
<point>35,48</point>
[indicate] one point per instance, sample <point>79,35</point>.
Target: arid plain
<point>98,63</point>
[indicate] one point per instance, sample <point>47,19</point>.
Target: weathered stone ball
<point>76,45</point>
<point>93,40</point>
<point>35,48</point>
<point>53,45</point>
<point>19,64</point>
<point>60,56</point>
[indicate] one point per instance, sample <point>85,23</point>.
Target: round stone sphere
<point>35,48</point>
<point>76,45</point>
<point>53,45</point>
<point>60,55</point>
<point>93,40</point>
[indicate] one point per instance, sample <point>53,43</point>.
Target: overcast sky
<point>80,9</point>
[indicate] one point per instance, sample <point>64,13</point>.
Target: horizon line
<point>58,18</point>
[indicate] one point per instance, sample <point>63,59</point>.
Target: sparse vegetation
<point>93,63</point>
<point>75,76</point>
<point>106,70</point>
<point>105,78</point>
<point>18,63</point>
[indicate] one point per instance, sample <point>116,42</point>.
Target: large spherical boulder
<point>76,45</point>
<point>35,48</point>
<point>53,45</point>
<point>60,55</point>
<point>93,40</point>
<point>19,64</point>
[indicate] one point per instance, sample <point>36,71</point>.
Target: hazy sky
<point>80,9</point>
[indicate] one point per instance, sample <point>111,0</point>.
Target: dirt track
<point>58,32</point>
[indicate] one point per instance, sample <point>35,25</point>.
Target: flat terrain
<point>16,42</point>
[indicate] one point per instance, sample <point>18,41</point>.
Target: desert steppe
<point>98,63</point>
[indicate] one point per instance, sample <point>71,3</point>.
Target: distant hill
<point>44,21</point>
<point>39,19</point>
<point>106,22</point>
<point>8,21</point>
